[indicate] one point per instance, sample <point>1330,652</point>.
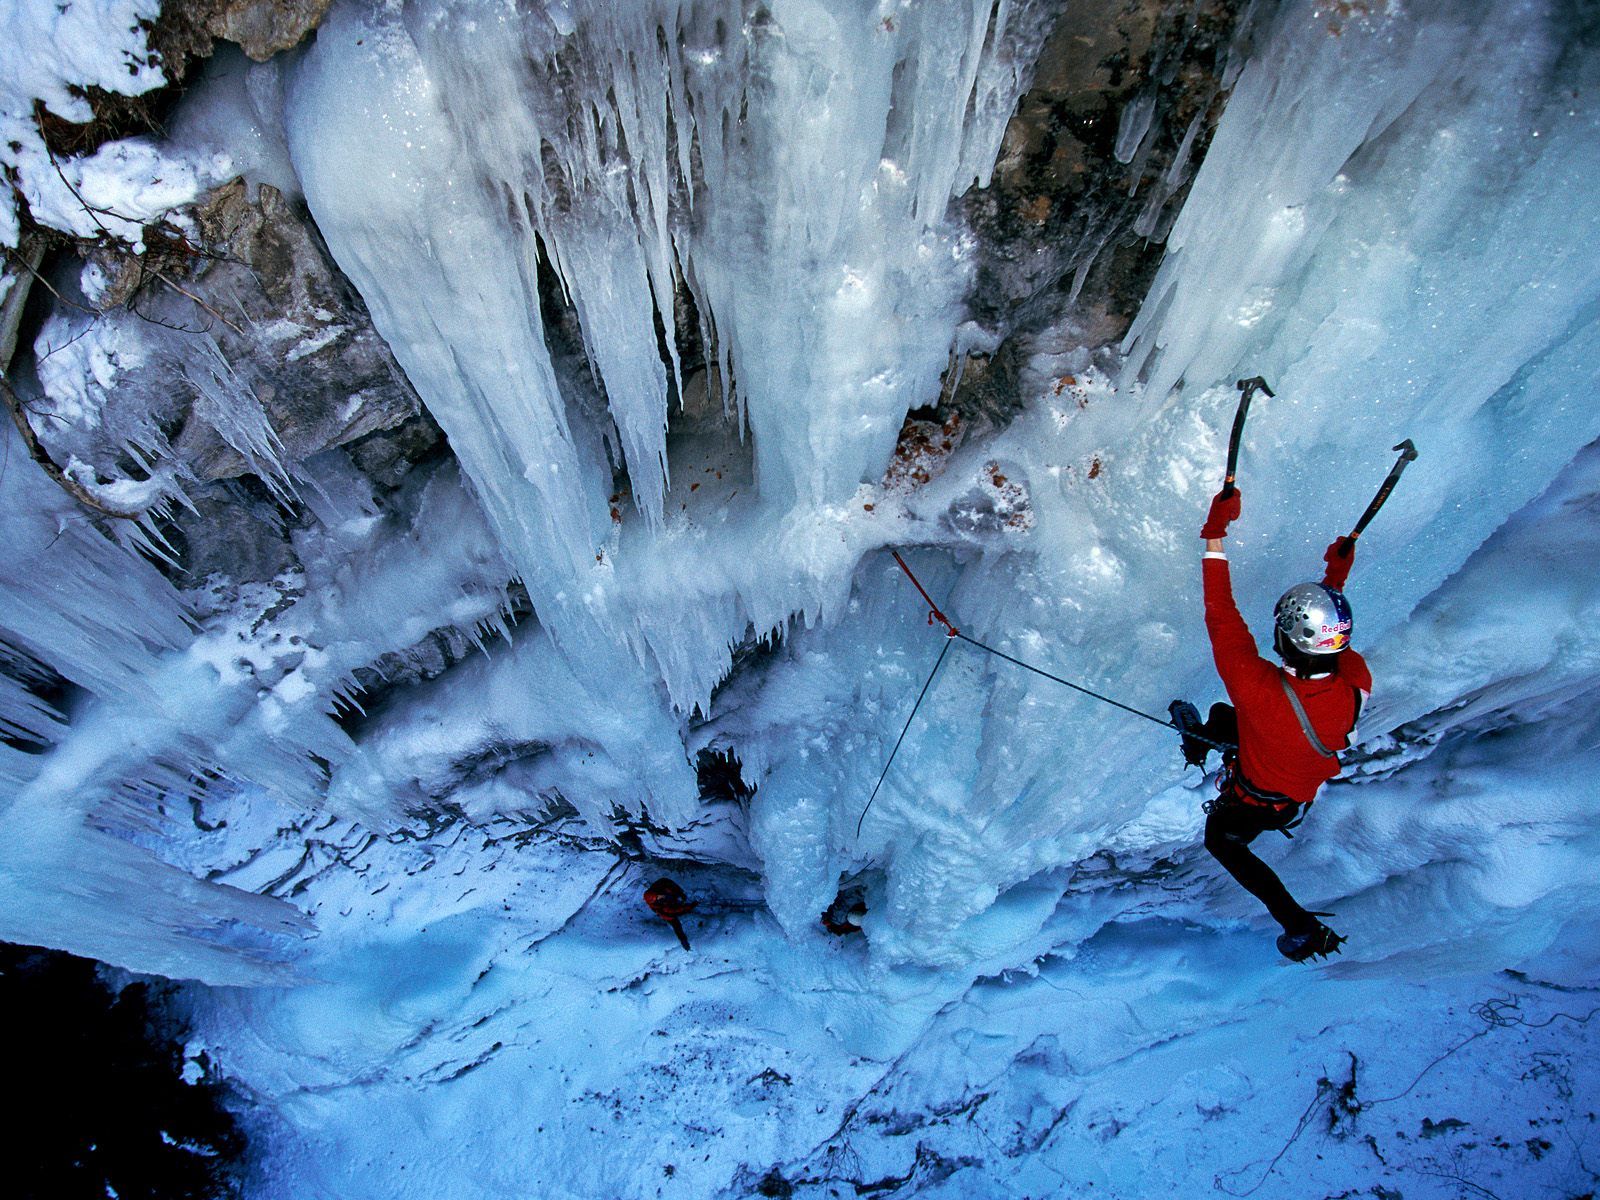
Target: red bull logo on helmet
<point>1334,637</point>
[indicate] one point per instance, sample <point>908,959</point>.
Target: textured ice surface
<point>523,1027</point>
<point>167,714</point>
<point>791,164</point>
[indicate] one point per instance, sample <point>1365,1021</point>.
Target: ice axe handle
<point>1247,389</point>
<point>1408,454</point>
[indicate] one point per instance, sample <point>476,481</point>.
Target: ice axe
<point>1408,454</point>
<point>1247,389</point>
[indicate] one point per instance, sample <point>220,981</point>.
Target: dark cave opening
<point>97,1074</point>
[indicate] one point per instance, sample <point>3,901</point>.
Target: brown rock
<point>300,336</point>
<point>264,27</point>
<point>1067,232</point>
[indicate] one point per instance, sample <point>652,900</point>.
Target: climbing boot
<point>1317,941</point>
<point>1186,720</point>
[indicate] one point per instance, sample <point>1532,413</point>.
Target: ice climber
<point>1288,721</point>
<point>671,903</point>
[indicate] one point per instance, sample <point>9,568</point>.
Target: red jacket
<point>1274,754</point>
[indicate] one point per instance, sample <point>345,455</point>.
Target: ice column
<point>448,268</point>
<point>790,163</point>
<point>821,250</point>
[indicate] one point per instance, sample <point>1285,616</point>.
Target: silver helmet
<point>1314,619</point>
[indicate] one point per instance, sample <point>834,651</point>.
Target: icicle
<point>827,282</point>
<point>1178,170</point>
<point>230,406</point>
<point>1134,125</point>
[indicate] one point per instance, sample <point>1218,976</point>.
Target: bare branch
<point>51,288</point>
<point>111,240</point>
<point>54,350</point>
<point>28,254</point>
<point>199,303</point>
<point>133,307</point>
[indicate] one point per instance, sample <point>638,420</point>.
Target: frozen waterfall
<point>688,291</point>
<point>787,166</point>
<point>1395,255</point>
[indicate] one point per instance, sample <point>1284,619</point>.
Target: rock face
<point>236,533</point>
<point>1094,167</point>
<point>183,33</point>
<point>241,351</point>
<point>219,364</point>
<point>180,38</point>
<point>321,372</point>
<point>1097,161</point>
<point>322,375</point>
<point>264,27</point>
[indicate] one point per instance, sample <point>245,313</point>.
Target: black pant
<point>1230,829</point>
<point>1233,825</point>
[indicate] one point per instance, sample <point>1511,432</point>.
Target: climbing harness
<point>953,634</point>
<point>1233,788</point>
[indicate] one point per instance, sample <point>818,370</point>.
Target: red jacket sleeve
<point>1232,646</point>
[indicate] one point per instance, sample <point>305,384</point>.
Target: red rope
<point>933,609</point>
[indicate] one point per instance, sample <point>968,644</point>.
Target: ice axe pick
<point>1247,389</point>
<point>1408,454</point>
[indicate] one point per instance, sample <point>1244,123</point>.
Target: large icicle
<point>447,265</point>
<point>791,163</point>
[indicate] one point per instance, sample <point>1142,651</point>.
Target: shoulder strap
<point>1305,722</point>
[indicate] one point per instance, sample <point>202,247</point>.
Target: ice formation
<point>1392,222</point>
<point>1360,296</point>
<point>826,279</point>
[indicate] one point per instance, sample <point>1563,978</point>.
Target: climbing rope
<point>933,609</point>
<point>945,650</point>
<point>952,634</point>
<point>1138,712</point>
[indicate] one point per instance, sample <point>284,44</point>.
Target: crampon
<point>1317,942</point>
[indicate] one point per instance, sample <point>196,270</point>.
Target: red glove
<point>1224,511</point>
<point>1340,557</point>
